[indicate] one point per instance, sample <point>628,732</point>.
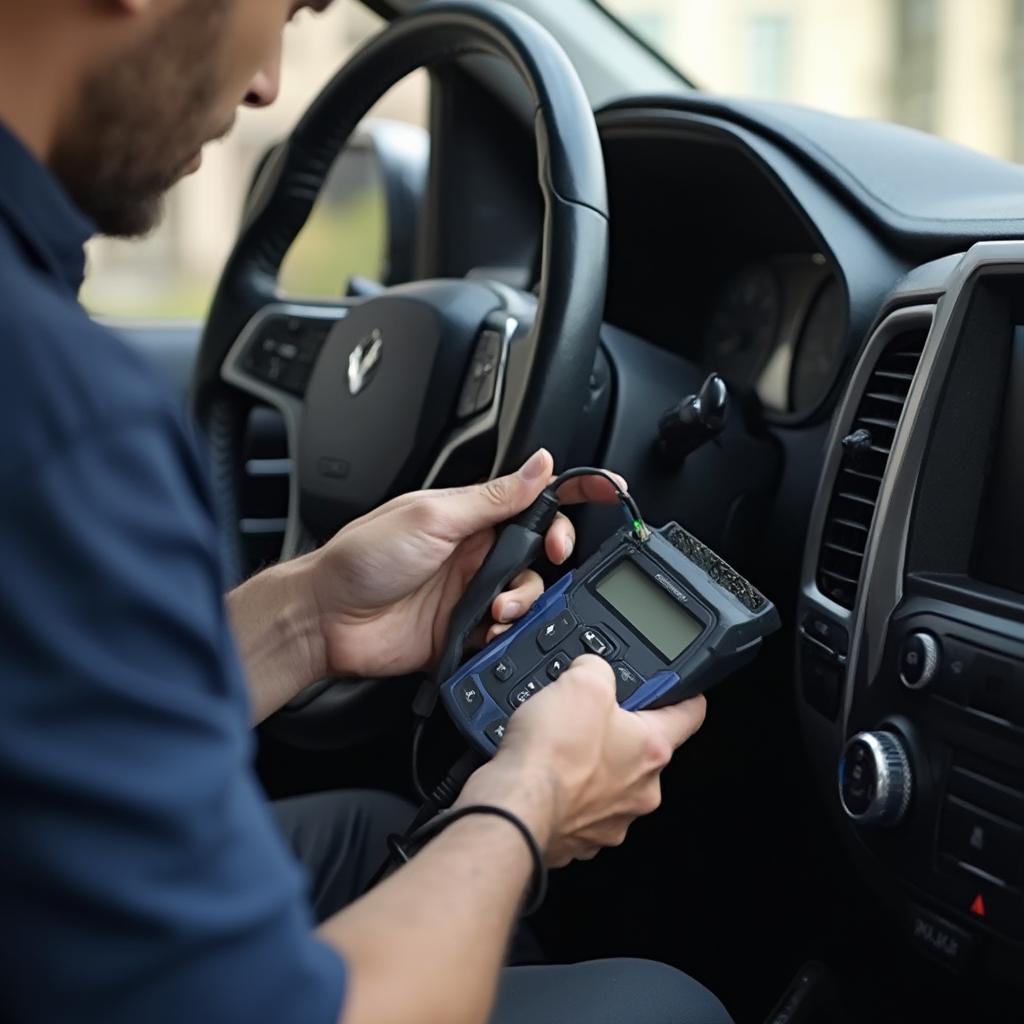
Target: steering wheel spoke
<point>274,356</point>
<point>480,400</point>
<point>272,361</point>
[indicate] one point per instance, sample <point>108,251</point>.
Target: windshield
<point>954,68</point>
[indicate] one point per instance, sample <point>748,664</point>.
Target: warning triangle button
<point>978,906</point>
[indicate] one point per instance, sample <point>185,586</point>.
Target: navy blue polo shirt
<point>142,878</point>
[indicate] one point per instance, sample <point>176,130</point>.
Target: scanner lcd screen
<point>649,610</point>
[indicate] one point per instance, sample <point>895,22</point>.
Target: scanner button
<point>504,670</point>
<point>627,680</point>
<point>521,694</point>
<point>554,632</point>
<point>495,732</point>
<point>470,696</point>
<point>596,642</point>
<point>557,665</point>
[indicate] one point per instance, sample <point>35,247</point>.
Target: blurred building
<point>951,67</point>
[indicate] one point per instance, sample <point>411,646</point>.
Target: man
<point>142,878</point>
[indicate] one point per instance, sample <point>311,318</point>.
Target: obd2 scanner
<point>665,611</point>
<point>669,615</point>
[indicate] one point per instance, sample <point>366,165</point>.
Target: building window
<point>1015,79</point>
<point>770,39</point>
<point>915,63</point>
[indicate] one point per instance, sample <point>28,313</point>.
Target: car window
<point>947,67</point>
<point>172,272</point>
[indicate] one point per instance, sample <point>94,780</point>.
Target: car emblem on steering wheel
<point>363,360</point>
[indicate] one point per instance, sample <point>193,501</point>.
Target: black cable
<point>441,798</point>
<point>634,517</point>
<point>417,736</point>
<point>404,848</point>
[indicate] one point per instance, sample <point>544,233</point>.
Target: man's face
<point>141,120</point>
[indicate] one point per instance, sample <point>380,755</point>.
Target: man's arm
<point>427,945</point>
<point>141,875</point>
<point>278,634</point>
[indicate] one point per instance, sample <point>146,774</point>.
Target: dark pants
<point>340,839</point>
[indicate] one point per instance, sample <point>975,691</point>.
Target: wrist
<point>531,794</point>
<point>300,616</point>
<point>277,628</point>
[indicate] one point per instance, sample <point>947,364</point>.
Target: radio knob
<point>919,660</point>
<point>875,780</point>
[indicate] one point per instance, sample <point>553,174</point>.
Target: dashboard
<point>911,622</point>
<point>872,334</point>
<point>775,330</point>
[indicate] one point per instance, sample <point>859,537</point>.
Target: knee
<point>679,998</point>
<point>381,812</point>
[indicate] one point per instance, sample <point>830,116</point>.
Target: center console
<point>911,619</point>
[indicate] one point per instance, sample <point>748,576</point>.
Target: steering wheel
<point>428,383</point>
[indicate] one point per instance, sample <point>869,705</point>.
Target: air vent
<point>862,468</point>
<point>263,513</point>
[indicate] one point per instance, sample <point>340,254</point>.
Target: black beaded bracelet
<point>403,848</point>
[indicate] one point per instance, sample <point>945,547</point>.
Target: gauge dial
<point>744,325</point>
<point>820,348</point>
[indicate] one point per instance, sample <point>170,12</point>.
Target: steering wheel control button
<point>596,642</point>
<point>627,680</point>
<point>557,665</point>
<point>284,353</point>
<point>982,840</point>
<point>482,378</point>
<point>471,697</point>
<point>875,779</point>
<point>504,670</point>
<point>495,732</point>
<point>521,694</point>
<point>919,660</point>
<point>552,633</point>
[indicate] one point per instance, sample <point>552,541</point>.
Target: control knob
<point>919,660</point>
<point>875,779</point>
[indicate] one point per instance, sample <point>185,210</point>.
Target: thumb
<point>470,509</point>
<point>677,722</point>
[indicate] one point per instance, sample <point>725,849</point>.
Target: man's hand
<point>376,600</point>
<point>577,770</point>
<point>600,766</point>
<point>386,585</point>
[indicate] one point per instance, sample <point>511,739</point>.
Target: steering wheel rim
<point>541,375</point>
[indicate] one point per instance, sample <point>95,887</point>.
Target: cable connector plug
<point>541,514</point>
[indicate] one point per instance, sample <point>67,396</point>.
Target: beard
<point>140,120</point>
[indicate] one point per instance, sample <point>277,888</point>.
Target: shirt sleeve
<point>141,875</point>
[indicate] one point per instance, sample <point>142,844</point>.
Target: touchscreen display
<point>999,543</point>
<point>649,610</point>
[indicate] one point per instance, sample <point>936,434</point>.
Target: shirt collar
<point>38,208</point>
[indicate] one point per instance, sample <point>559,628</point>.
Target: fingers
<point>560,540</point>
<point>495,631</point>
<point>593,678</point>
<point>590,488</point>
<point>677,722</point>
<point>522,592</point>
<point>590,666</point>
<point>463,511</point>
